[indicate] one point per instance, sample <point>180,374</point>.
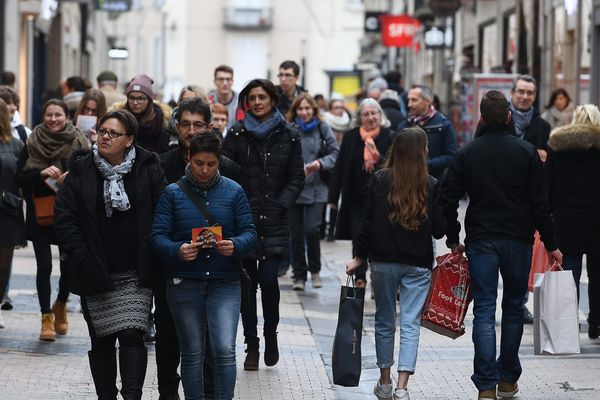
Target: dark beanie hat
<point>107,76</point>
<point>141,83</point>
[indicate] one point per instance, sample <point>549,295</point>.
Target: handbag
<point>43,208</point>
<point>10,203</point>
<point>245,281</point>
<point>555,313</point>
<point>540,262</point>
<point>449,296</point>
<point>346,355</point>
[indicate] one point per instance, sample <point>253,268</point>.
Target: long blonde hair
<point>5,128</point>
<point>407,164</point>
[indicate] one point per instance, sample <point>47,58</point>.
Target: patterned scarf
<point>114,190</point>
<point>203,187</point>
<point>414,119</point>
<point>370,153</point>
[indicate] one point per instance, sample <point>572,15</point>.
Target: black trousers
<point>43,258</point>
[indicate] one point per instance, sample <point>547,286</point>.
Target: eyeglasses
<point>89,111</point>
<point>286,76</point>
<point>188,125</point>
<point>138,100</point>
<point>522,92</point>
<point>112,134</point>
<point>368,114</point>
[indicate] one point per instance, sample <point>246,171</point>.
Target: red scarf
<point>370,153</point>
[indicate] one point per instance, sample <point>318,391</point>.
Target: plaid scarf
<point>421,119</point>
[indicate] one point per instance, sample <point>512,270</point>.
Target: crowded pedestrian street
<point>30,369</point>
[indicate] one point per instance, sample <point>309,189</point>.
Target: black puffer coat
<point>76,224</point>
<point>572,171</point>
<point>272,176</point>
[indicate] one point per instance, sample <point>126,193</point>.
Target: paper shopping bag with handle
<point>449,296</point>
<point>346,353</point>
<point>556,318</point>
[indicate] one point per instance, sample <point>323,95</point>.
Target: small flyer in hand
<point>207,236</point>
<point>52,184</point>
<point>85,123</point>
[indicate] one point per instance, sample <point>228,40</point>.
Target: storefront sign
<point>398,30</point>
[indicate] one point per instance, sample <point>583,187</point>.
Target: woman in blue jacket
<point>203,288</point>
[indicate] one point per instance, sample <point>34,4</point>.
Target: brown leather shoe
<point>61,325</point>
<point>507,389</point>
<point>47,332</point>
<point>487,394</point>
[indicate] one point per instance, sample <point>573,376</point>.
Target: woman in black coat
<point>574,182</point>
<point>363,151</point>
<point>269,152</point>
<point>103,224</point>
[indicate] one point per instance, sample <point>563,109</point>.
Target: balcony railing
<point>259,19</point>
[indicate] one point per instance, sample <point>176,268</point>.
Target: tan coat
<point>112,95</point>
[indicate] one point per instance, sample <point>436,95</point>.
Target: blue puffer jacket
<point>176,216</point>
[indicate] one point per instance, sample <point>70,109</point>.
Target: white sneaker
<point>401,394</point>
<point>1,321</point>
<point>298,284</point>
<point>316,280</point>
<point>383,392</point>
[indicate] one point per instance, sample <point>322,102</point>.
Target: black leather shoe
<point>527,316</point>
<point>593,331</point>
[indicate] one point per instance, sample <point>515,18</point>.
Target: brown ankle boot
<point>47,333</point>
<point>252,354</point>
<point>61,325</point>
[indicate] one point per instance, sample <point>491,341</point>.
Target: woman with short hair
<point>362,153</point>
<point>103,225</point>
<point>42,166</point>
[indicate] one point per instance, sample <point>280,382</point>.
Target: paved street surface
<point>30,369</point>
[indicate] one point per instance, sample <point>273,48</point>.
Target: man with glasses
<point>193,118</point>
<point>224,94</point>
<point>527,121</point>
<point>288,88</point>
<point>441,138</point>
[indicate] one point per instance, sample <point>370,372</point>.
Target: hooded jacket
<point>573,176</point>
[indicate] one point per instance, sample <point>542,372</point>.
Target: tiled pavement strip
<point>30,369</point>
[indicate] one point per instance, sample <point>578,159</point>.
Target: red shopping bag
<point>449,296</point>
<point>540,262</point>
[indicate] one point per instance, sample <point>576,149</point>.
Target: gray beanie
<point>141,83</point>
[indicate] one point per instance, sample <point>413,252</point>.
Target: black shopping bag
<point>346,353</point>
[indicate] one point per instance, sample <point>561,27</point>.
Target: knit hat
<point>141,83</point>
<point>107,76</point>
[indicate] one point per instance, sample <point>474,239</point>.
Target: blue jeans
<point>196,305</point>
<point>512,259</point>
<point>263,273</point>
<point>413,283</point>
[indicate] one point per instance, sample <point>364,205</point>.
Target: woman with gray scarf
<point>42,164</point>
<point>103,225</point>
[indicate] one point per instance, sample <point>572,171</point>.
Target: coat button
<point>208,203</point>
<point>262,238</point>
<point>208,256</point>
<point>264,257</point>
<point>208,273</point>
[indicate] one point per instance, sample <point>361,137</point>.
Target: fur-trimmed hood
<point>575,137</point>
<point>166,110</point>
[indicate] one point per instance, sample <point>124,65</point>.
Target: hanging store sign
<point>113,5</point>
<point>372,21</point>
<point>398,30</point>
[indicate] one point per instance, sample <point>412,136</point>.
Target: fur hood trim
<point>575,137</point>
<point>166,110</point>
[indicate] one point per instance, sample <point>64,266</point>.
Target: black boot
<point>104,372</point>
<point>252,354</point>
<point>132,364</point>
<point>271,350</point>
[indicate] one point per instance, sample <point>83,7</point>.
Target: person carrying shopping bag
<point>401,216</point>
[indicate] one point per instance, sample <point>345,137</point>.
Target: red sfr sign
<point>398,30</point>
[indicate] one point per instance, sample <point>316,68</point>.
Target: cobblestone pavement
<point>30,369</point>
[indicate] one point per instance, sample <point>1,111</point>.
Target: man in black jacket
<point>194,118</point>
<point>288,88</point>
<point>502,176</point>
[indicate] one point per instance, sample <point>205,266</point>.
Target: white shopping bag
<point>556,317</point>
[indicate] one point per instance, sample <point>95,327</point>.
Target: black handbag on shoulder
<point>10,203</point>
<point>244,277</point>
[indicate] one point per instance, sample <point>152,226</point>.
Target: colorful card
<point>207,236</point>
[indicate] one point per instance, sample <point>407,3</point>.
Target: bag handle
<point>555,264</point>
<point>350,280</point>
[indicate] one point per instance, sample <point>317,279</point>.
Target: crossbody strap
<point>185,188</point>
